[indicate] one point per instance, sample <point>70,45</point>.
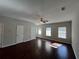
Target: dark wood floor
<point>37,49</point>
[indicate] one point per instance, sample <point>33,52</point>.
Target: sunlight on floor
<point>55,45</point>
<point>39,43</point>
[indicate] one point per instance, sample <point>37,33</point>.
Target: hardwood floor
<point>37,49</point>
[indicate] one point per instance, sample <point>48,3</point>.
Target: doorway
<point>20,33</point>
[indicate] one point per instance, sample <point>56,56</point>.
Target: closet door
<point>1,34</point>
<point>20,33</point>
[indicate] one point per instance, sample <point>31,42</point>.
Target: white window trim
<point>62,33</point>
<point>39,31</point>
<point>49,32</point>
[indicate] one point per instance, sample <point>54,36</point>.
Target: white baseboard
<point>75,52</point>
<point>3,46</point>
<point>28,40</point>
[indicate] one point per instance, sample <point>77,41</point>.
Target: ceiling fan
<point>43,20</point>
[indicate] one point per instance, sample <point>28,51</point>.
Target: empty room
<point>39,29</point>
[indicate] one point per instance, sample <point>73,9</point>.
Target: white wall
<point>10,30</point>
<point>75,35</point>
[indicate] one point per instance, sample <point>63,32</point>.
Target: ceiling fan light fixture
<point>43,21</point>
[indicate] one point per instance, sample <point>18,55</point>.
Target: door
<point>20,33</point>
<point>1,33</point>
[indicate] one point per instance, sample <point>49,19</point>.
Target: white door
<point>1,33</point>
<point>20,33</point>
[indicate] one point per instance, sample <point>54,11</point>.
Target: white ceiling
<point>32,10</point>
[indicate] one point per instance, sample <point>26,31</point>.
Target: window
<point>48,31</point>
<point>62,32</point>
<point>39,31</point>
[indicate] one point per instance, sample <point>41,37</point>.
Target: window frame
<point>39,31</point>
<point>49,35</point>
<point>62,34</point>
